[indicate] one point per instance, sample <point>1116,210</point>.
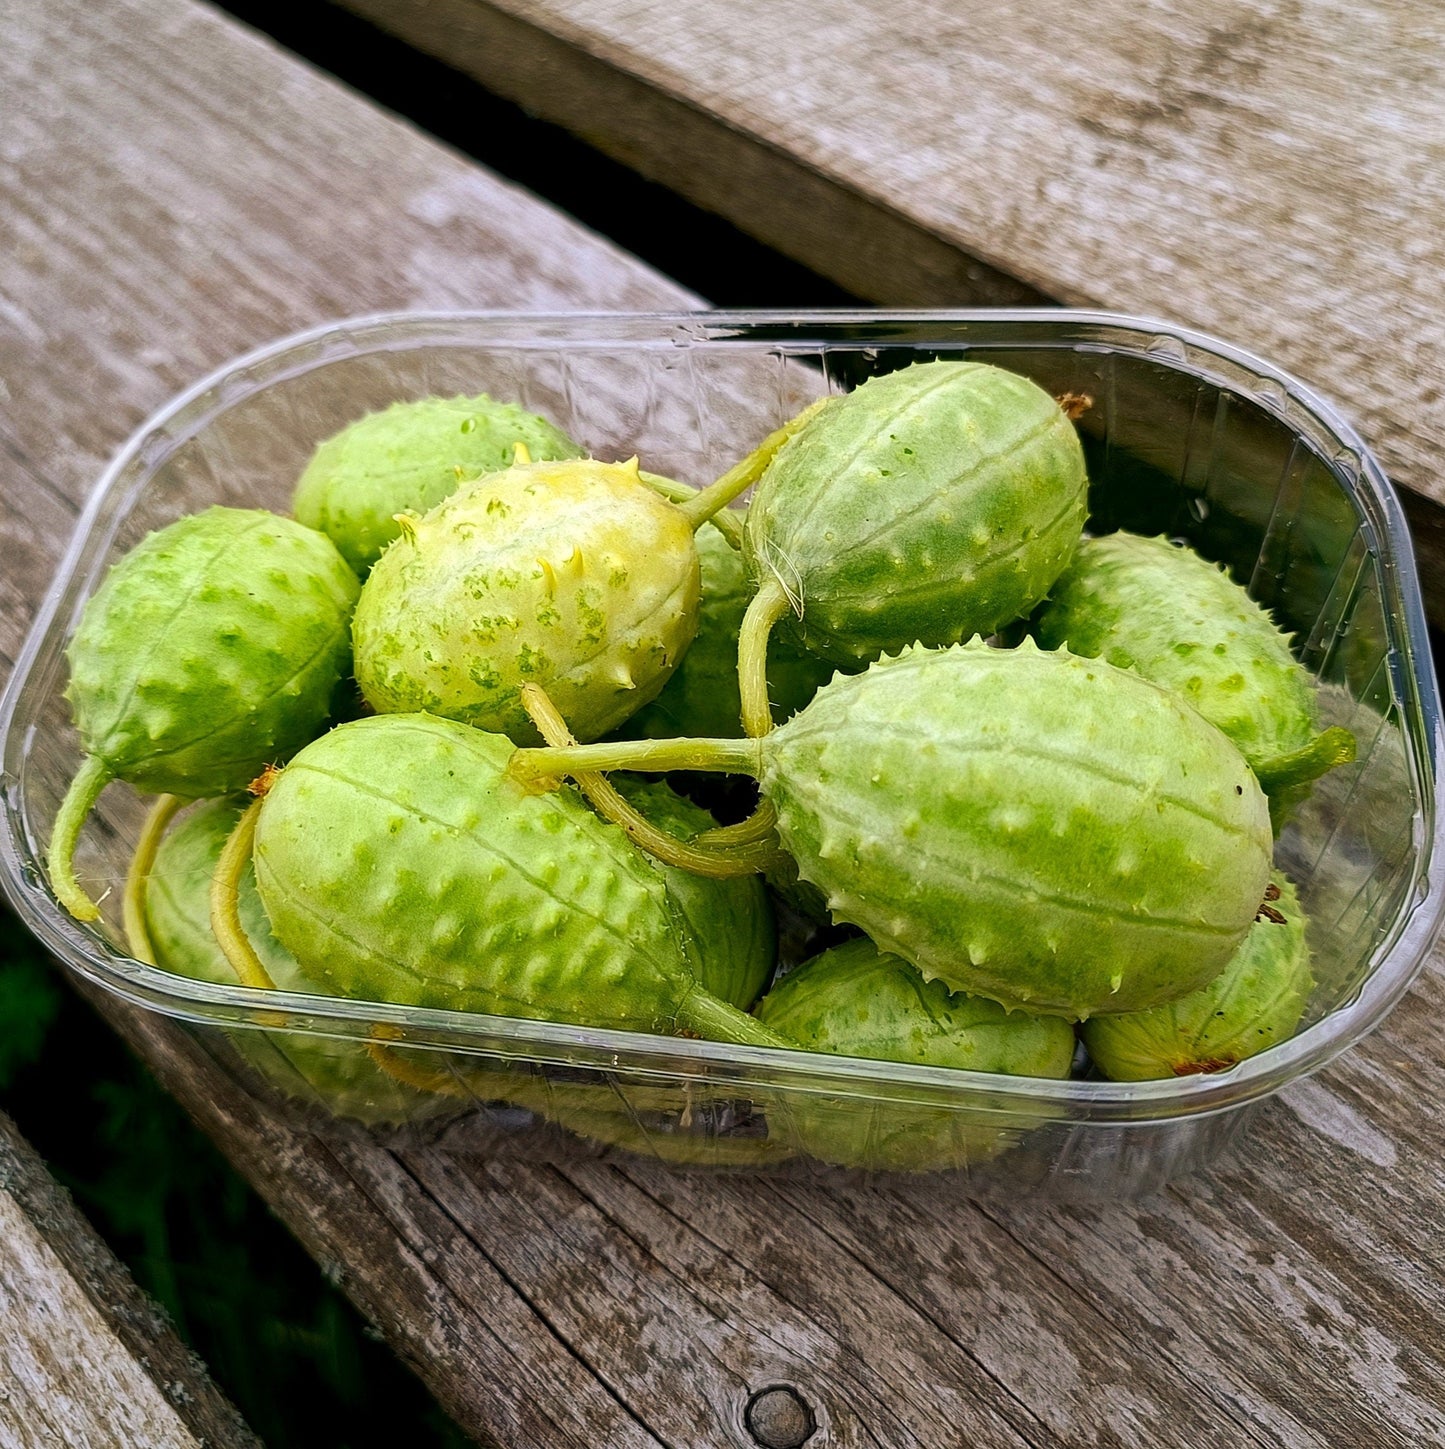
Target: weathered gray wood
<point>86,1359</point>
<point>209,193</point>
<point>1272,173</point>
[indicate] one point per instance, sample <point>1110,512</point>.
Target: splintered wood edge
<point>89,1358</point>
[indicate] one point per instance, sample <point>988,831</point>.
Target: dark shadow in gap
<point>694,247</point>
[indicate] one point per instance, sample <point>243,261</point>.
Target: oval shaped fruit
<point>701,697</point>
<point>336,1074</point>
<point>211,650</point>
<point>1046,831</point>
<point>857,1001</point>
<point>929,505</point>
<point>405,459</point>
<point>574,576</point>
<point>1161,609</point>
<point>1255,1002</point>
<point>397,861</point>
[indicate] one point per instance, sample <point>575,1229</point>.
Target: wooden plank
<point>1156,159</point>
<point>85,1357</point>
<point>210,193</point>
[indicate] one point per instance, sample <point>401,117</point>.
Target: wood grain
<point>85,1357</point>
<point>210,193</point>
<point>1202,165</point>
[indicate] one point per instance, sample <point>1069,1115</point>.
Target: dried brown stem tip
<point>1074,404</point>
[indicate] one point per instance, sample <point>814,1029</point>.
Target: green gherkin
<point>397,861</point>
<point>340,1075</point>
<point>929,505</point>
<point>858,1001</point>
<point>730,921</point>
<point>1255,1002</point>
<point>701,697</point>
<point>1047,831</point>
<point>1149,605</point>
<point>406,459</point>
<point>209,651</point>
<point>575,576</point>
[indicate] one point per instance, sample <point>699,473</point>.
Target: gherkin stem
<point>404,1070</point>
<point>225,903</point>
<point>741,476</point>
<point>727,521</point>
<point>758,826</point>
<point>718,863</point>
<point>1335,746</point>
<point>540,767</point>
<point>768,605</point>
<point>92,777</point>
<point>138,877</point>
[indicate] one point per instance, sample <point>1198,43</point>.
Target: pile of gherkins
<point>1010,849</point>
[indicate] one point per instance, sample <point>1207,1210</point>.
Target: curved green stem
<point>768,605</point>
<point>92,777</point>
<point>225,903</point>
<point>741,476</point>
<point>1335,746</point>
<point>727,521</point>
<point>540,767</point>
<point>718,863</point>
<point>758,826</point>
<point>138,877</point>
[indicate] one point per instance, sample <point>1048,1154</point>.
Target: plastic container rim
<point>1395,961</point>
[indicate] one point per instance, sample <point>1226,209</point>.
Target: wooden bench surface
<point>174,190</point>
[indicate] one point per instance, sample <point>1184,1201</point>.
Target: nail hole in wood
<point>778,1417</point>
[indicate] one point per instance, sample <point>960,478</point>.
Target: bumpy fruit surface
<point>1047,831</point>
<point>210,650</point>
<point>857,1001</point>
<point>398,862</point>
<point>928,505</point>
<point>338,1075</point>
<point>575,576</point>
<point>702,697</point>
<point>1255,1002</point>
<point>406,459</point>
<point>730,921</point>
<point>1148,605</point>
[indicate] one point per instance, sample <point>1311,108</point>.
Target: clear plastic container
<point>1186,436</point>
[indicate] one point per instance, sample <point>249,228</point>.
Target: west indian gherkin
<point>406,459</point>
<point>1255,1002</point>
<point>855,1000</point>
<point>1047,831</point>
<point>397,861</point>
<point>1158,608</point>
<point>212,649</point>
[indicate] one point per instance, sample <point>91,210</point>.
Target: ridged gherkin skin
<point>211,650</point>
<point>858,1001</point>
<point>701,698</point>
<point>928,505</point>
<point>406,459</point>
<point>1148,605</point>
<point>1255,1002</point>
<point>575,576</point>
<point>339,1075</point>
<point>398,862</point>
<point>1047,831</point>
<point>730,921</point>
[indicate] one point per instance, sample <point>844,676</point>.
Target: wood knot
<point>778,1417</point>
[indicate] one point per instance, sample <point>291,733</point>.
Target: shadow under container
<point>1186,436</point>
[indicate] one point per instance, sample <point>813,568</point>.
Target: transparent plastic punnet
<point>1186,436</point>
